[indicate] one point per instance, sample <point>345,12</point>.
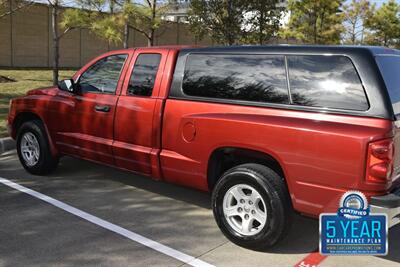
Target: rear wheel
<point>34,150</point>
<point>251,206</point>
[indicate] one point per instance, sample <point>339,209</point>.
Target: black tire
<point>46,162</point>
<point>272,188</point>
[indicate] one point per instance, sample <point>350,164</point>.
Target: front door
<point>91,121</point>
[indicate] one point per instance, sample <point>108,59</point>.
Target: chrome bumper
<point>388,204</point>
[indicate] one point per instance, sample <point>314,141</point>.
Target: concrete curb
<point>6,144</point>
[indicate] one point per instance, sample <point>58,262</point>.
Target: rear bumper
<point>388,204</point>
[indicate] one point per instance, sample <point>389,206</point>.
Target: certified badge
<point>353,230</point>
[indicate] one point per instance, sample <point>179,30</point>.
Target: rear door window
<point>257,78</point>
<point>326,81</point>
<point>390,69</point>
<point>144,75</point>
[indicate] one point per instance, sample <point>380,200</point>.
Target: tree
<point>114,18</point>
<point>384,24</point>
<point>354,15</point>
<point>263,20</point>
<point>7,7</point>
<point>126,27</point>
<point>72,19</point>
<point>104,18</point>
<point>315,21</point>
<point>222,20</point>
<point>76,18</point>
<point>145,17</point>
<point>55,10</point>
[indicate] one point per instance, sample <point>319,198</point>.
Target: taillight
<point>380,161</point>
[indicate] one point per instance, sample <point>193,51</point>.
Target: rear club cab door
<point>90,119</point>
<point>138,115</point>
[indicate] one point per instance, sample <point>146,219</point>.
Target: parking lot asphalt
<point>36,233</point>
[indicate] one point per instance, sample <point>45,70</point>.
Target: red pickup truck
<point>267,129</point>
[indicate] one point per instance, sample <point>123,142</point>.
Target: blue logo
<point>353,230</point>
<point>353,205</point>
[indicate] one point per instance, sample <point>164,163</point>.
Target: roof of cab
<point>173,47</point>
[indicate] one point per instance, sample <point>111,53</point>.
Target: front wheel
<point>34,150</point>
<point>251,206</point>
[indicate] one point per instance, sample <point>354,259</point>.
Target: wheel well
<point>225,158</point>
<point>23,117</point>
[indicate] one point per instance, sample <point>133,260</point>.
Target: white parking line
<point>110,226</point>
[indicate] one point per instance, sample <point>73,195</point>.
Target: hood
<point>52,91</point>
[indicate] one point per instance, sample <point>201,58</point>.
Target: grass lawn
<point>24,80</point>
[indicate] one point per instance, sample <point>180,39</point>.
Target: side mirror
<point>67,85</point>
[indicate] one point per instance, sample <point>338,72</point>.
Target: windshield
<point>389,66</point>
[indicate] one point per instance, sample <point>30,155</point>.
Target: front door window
<point>103,76</point>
